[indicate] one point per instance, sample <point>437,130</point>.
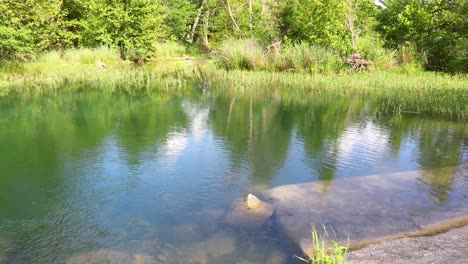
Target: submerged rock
<point>3,251</point>
<point>203,252</point>
<point>144,259</point>
<point>276,257</point>
<point>218,245</point>
<point>361,208</point>
<point>187,233</point>
<point>250,213</point>
<point>101,256</point>
<point>109,256</point>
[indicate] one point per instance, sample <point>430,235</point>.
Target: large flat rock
<point>450,247</point>
<point>371,206</point>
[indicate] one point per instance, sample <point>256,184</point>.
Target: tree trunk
<point>206,27</point>
<point>123,49</point>
<point>191,35</point>
<point>251,17</point>
<point>233,19</point>
<point>350,23</point>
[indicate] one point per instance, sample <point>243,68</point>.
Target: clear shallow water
<point>154,174</point>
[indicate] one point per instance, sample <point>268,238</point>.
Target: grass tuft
<point>321,254</point>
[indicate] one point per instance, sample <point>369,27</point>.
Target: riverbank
<point>426,246</point>
<point>419,93</point>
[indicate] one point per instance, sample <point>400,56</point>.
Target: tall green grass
<point>382,59</point>
<point>53,70</point>
<point>305,58</point>
<point>241,55</point>
<point>390,91</point>
<point>321,254</point>
<point>250,55</point>
<point>424,93</point>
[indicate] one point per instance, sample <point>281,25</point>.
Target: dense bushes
<point>305,58</point>
<point>436,31</point>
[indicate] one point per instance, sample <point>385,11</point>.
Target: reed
<point>391,92</point>
<point>320,253</point>
<point>423,93</point>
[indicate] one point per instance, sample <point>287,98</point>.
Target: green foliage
<point>241,55</point>
<point>320,254</point>
<point>132,26</point>
<point>372,48</point>
<point>25,27</point>
<point>308,59</point>
<point>303,58</point>
<point>436,28</point>
<point>316,22</point>
<point>180,15</point>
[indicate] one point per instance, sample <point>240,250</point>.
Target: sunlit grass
<point>389,92</point>
<point>423,93</point>
<point>320,253</point>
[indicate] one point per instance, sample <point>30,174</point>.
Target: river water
<point>148,178</point>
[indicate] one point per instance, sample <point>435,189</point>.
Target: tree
<point>322,23</point>
<point>437,28</point>
<point>131,25</point>
<point>25,27</point>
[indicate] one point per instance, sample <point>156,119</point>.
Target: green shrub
<point>241,55</point>
<point>305,58</point>
<point>372,49</point>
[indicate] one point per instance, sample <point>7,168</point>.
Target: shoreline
<point>444,242</point>
<point>438,228</point>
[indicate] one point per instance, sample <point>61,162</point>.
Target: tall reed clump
<point>78,68</point>
<point>410,60</point>
<point>372,49</point>
<point>169,50</point>
<point>304,58</point>
<point>422,93</point>
<point>321,254</point>
<point>241,55</point>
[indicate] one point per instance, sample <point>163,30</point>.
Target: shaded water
<point>154,173</point>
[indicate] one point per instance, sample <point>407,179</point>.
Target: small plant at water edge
<point>321,254</point>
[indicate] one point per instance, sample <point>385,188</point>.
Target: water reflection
<point>156,172</point>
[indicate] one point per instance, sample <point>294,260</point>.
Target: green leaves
<point>434,27</point>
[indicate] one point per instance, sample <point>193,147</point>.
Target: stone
<point>276,257</point>
<point>3,251</point>
<point>209,220</point>
<point>219,244</point>
<point>101,256</point>
<point>252,202</point>
<point>251,213</point>
<point>187,233</point>
<point>143,259</point>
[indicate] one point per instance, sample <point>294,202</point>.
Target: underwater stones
<point>209,220</point>
<point>109,256</point>
<point>187,233</point>
<point>215,246</point>
<point>276,257</point>
<point>101,256</point>
<point>144,259</point>
<point>251,213</point>
<point>218,245</point>
<point>3,251</point>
